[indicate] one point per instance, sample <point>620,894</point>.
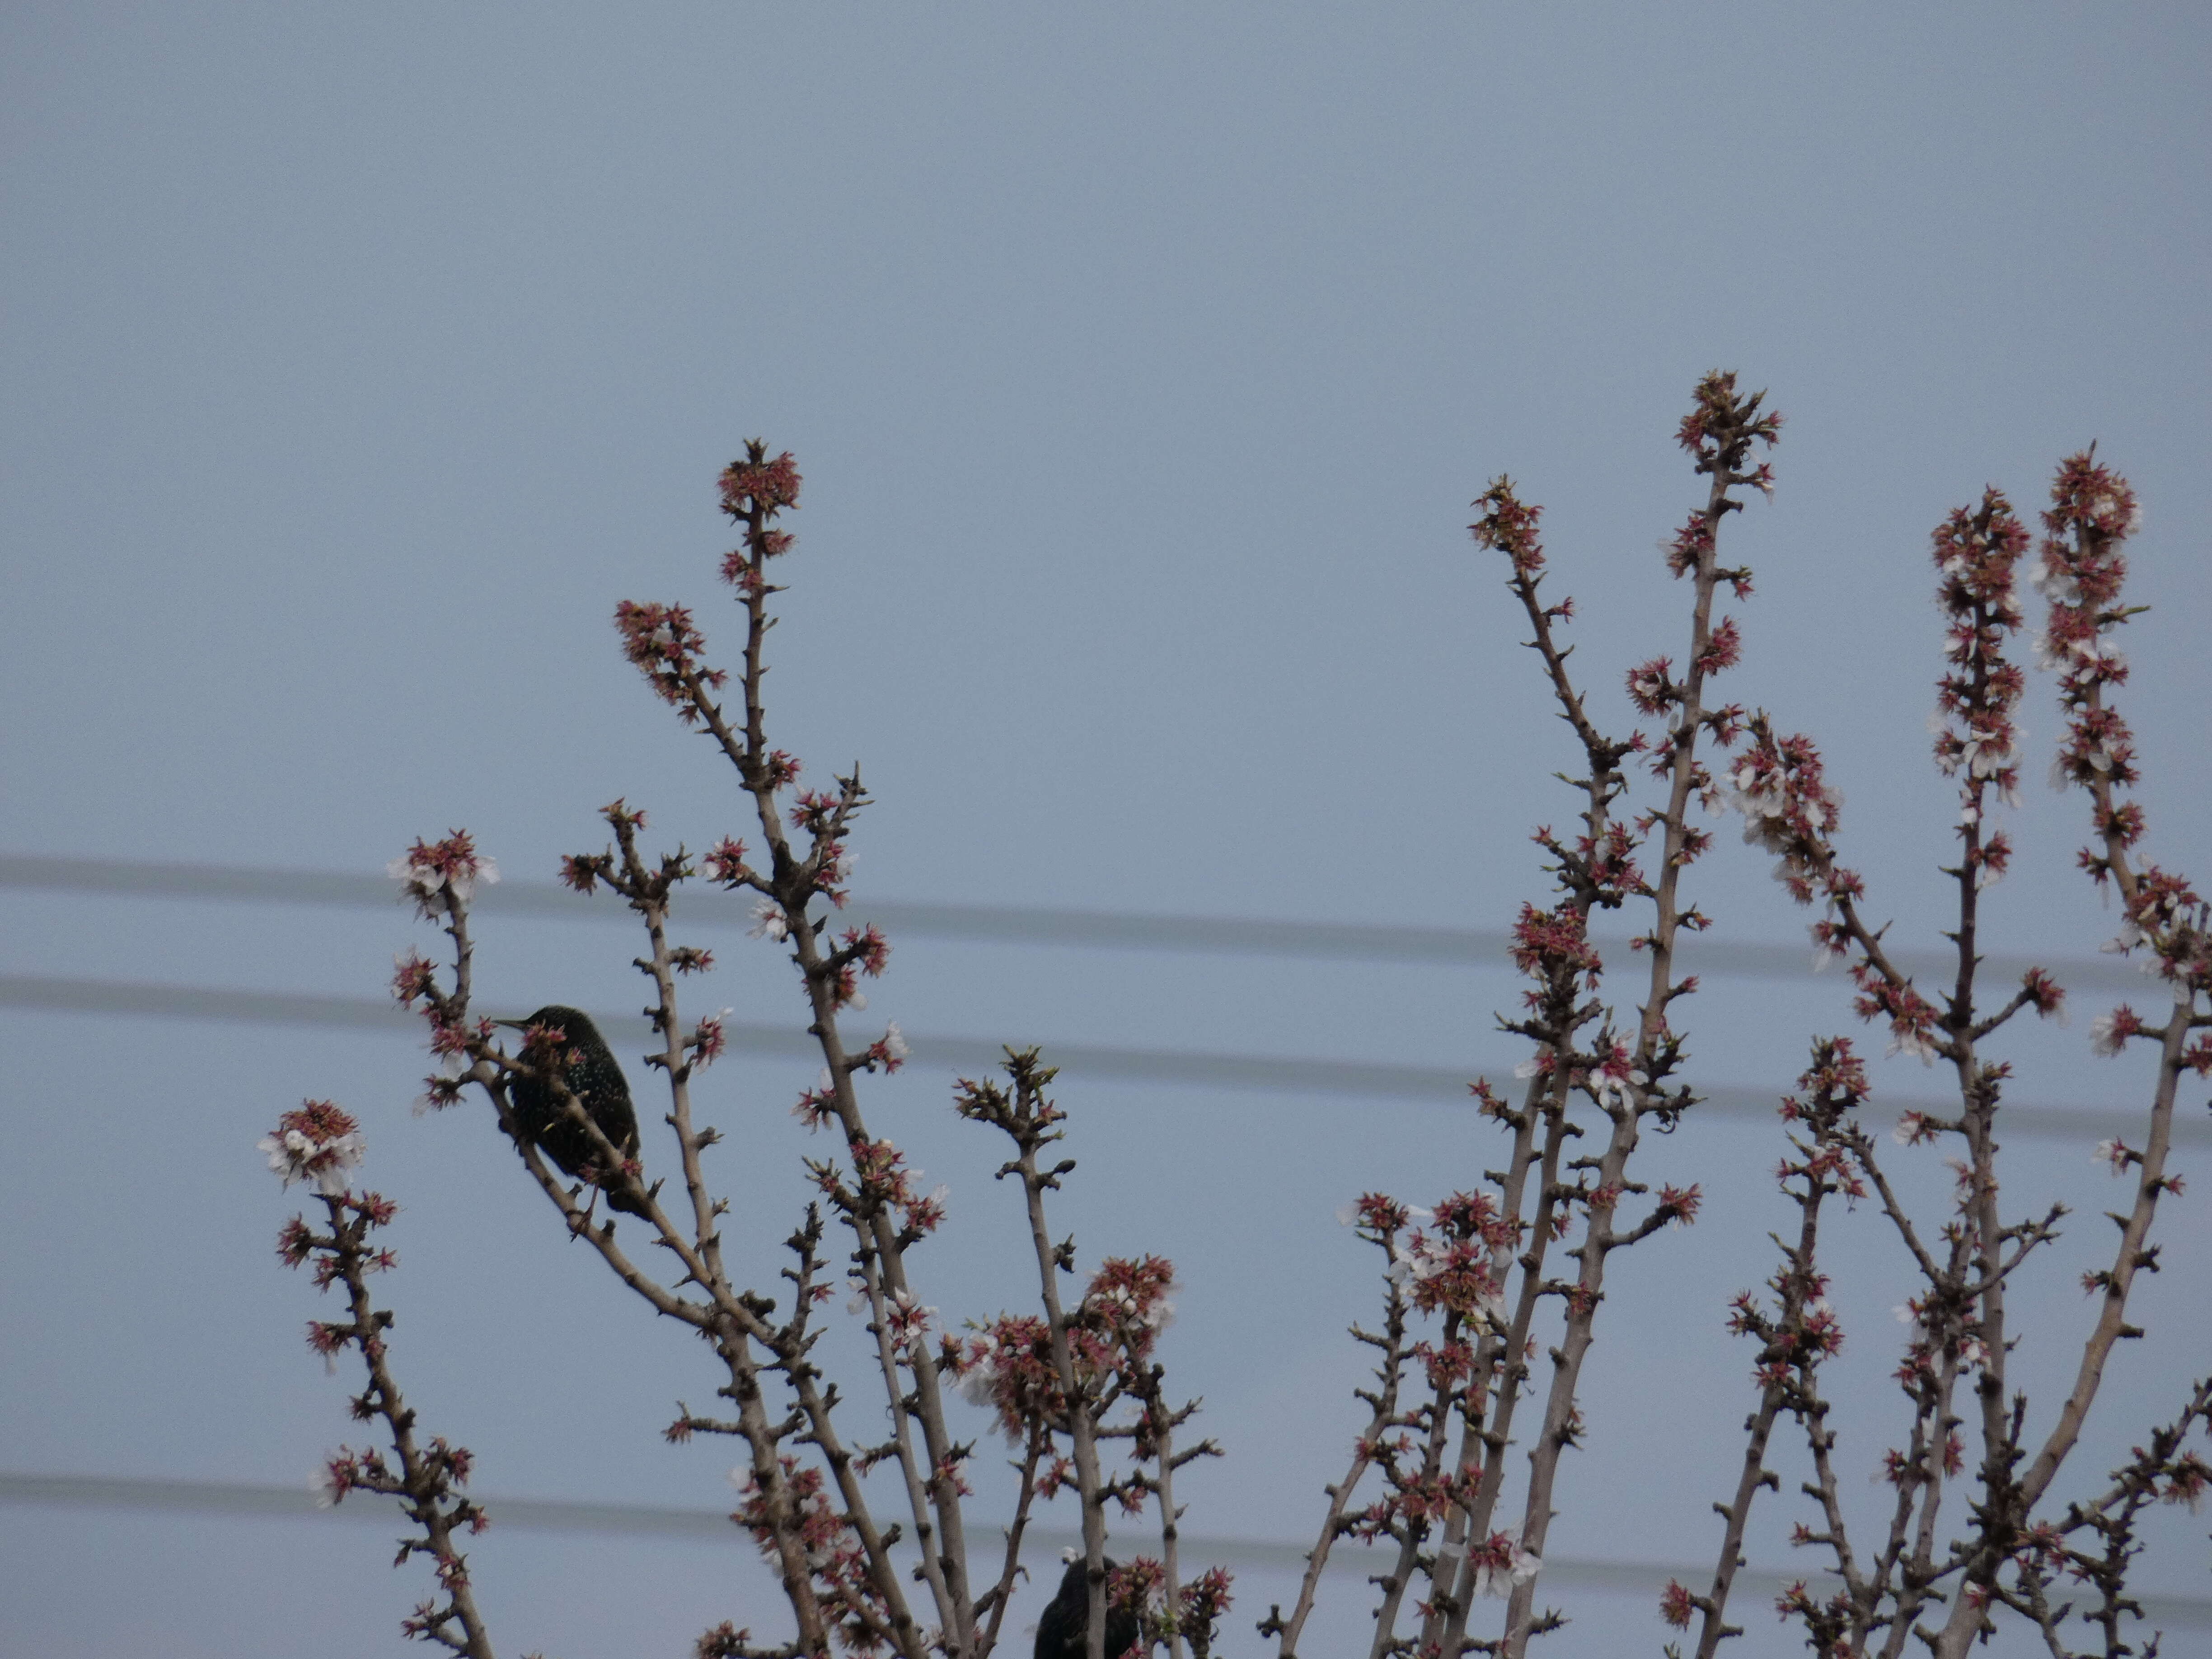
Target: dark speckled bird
<point>1066,1619</point>
<point>597,1081</point>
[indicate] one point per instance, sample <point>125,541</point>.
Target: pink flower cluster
<point>835,1558</point>
<point>1448,1266</point>
<point>754,490</point>
<point>1976,553</point>
<point>756,484</point>
<point>1008,1366</point>
<point>668,649</point>
<point>883,1182</point>
<point>1508,526</point>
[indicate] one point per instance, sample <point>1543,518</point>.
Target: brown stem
<point>1652,1035</point>
<point>424,1483</point>
<point>1388,1374</point>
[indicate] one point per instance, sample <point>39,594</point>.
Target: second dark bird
<point>1066,1619</point>
<point>596,1079</point>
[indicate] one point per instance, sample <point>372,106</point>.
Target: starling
<point>597,1081</point>
<point>1066,1618</point>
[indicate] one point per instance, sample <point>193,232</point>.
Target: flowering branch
<point>562,1099</point>
<point>1082,1371</point>
<point>1958,1321</point>
<point>1058,1377</point>
<point>1379,1220</point>
<point>2160,1472</point>
<point>1800,1332</point>
<point>1483,1263</point>
<point>1721,432</point>
<point>317,1144</point>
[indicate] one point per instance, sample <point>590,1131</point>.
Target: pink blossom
<point>757,484</point>
<point>412,978</point>
<point>1509,527</point>
<point>711,1038</point>
<point>726,863</point>
<point>1680,1205</point>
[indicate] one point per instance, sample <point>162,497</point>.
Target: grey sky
<point>1141,362</point>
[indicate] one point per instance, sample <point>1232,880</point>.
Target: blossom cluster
<point>666,646</point>
<point>2081,572</point>
<point>835,1560</point>
<point>1978,736</point>
<point>1450,1266</point>
<point>441,874</point>
<point>1008,1368</point>
<point>317,1143</point>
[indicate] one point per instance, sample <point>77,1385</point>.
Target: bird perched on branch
<point>597,1081</point>
<point>1066,1619</point>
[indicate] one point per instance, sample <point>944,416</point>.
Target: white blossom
<point>1824,950</point>
<point>424,882</point>
<point>1617,1090</point>
<point>325,1485</point>
<point>1499,1582</point>
<point>1913,1042</point>
<point>894,1041</point>
<point>1986,755</point>
<point>911,1322</point>
<point>769,920</point>
<point>978,1382</point>
<point>2055,582</point>
<point>1347,1215</point>
<point>1423,1262</point>
<point>321,1164</point>
<point>2105,1036</point>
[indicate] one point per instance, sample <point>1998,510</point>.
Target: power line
<point>1263,1073</point>
<point>989,923</point>
<point>646,1521</point>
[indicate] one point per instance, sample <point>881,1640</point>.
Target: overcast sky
<point>1142,362</point>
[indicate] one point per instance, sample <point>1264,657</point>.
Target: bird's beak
<point>513,1025</point>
